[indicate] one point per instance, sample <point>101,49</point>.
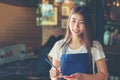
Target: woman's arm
<point>102,73</point>
<point>54,73</point>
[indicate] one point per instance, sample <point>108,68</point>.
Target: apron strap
<point>65,49</point>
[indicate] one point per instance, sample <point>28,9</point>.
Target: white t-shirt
<point>97,50</point>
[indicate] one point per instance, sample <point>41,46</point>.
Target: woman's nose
<point>76,25</point>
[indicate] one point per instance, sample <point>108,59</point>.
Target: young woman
<point>75,56</point>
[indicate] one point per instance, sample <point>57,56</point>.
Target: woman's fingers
<point>54,72</point>
<point>71,77</point>
<point>76,76</point>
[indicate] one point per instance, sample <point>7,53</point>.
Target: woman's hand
<point>54,73</point>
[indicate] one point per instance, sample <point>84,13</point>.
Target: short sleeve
<point>56,51</point>
<point>97,51</point>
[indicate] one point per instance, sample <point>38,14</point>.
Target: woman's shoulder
<point>60,42</point>
<point>97,51</point>
<point>97,45</point>
<point>95,42</point>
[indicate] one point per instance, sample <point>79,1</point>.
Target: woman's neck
<point>76,40</point>
<point>75,43</point>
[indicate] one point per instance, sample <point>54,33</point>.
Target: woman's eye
<point>81,22</point>
<point>73,21</point>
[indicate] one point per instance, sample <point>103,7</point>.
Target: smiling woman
<point>76,54</point>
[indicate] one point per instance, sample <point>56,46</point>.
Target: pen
<point>50,63</point>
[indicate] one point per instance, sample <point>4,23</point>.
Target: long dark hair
<point>87,36</point>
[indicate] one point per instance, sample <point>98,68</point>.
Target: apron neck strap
<point>65,49</point>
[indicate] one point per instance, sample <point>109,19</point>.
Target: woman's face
<point>76,24</point>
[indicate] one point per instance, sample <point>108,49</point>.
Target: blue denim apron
<point>75,63</point>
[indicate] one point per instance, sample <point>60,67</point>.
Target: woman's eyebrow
<point>76,19</point>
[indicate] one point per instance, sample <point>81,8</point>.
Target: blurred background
<point>29,29</point>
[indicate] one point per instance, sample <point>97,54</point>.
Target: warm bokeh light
<point>114,2</point>
<point>117,4</point>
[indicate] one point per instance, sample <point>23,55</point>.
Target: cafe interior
<point>30,28</point>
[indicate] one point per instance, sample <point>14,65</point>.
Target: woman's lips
<point>76,31</point>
